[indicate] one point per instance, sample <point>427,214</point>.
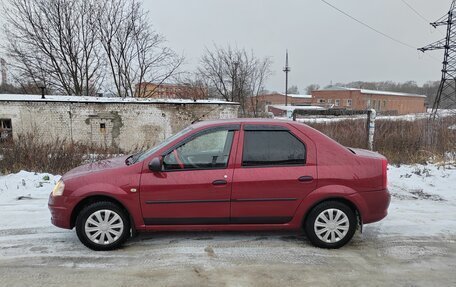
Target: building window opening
<point>103,128</point>
<point>6,129</point>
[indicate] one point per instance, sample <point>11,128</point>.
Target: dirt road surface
<point>54,257</point>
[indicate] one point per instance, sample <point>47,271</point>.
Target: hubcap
<point>104,226</point>
<point>331,225</point>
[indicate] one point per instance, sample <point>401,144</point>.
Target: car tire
<point>330,224</point>
<point>103,226</point>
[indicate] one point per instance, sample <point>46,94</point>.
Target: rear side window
<point>272,148</point>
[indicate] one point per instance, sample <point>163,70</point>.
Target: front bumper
<point>60,213</point>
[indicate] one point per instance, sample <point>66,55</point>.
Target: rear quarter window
<point>272,148</point>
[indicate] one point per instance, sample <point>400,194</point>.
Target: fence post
<point>371,114</point>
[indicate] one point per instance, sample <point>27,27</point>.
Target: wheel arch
<point>340,199</point>
<point>97,198</point>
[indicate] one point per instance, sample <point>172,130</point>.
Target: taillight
<point>385,173</point>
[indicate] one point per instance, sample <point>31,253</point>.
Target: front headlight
<point>58,188</point>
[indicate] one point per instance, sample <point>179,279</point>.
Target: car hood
<point>99,166</point>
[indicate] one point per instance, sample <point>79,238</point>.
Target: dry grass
<point>408,142</point>
<point>401,141</point>
<point>57,157</point>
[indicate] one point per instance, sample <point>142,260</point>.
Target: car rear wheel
<point>330,224</point>
<point>102,226</point>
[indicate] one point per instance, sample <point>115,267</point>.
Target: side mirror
<point>156,164</point>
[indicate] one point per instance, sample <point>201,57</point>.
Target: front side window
<point>337,102</point>
<point>272,148</point>
<point>143,155</point>
<point>206,151</point>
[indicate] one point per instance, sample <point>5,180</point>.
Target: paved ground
<point>53,257</point>
<point>414,246</point>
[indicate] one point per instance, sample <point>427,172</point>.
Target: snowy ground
<point>414,246</point>
<point>442,113</point>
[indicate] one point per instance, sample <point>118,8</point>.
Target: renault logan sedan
<point>243,174</point>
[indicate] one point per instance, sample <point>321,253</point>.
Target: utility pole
<point>446,93</point>
<point>286,70</point>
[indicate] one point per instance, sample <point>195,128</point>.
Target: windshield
<point>143,155</point>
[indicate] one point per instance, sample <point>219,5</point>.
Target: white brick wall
<point>126,125</point>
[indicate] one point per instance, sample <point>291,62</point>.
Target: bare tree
<point>78,47</point>
<point>192,86</point>
<point>259,76</point>
<point>135,52</point>
<point>312,87</point>
<point>235,74</point>
<point>54,43</point>
<point>293,90</point>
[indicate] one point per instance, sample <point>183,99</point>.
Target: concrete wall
<point>120,125</point>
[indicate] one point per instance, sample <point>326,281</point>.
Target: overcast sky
<point>323,44</point>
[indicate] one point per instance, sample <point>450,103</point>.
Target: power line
<point>373,29</point>
<point>418,13</point>
<point>368,26</point>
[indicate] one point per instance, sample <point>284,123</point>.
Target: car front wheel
<point>330,224</point>
<point>102,226</point>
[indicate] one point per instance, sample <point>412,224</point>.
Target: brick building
<point>392,103</point>
<point>265,100</point>
<point>113,122</point>
<point>171,91</point>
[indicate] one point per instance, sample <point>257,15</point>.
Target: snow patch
<point>423,201</point>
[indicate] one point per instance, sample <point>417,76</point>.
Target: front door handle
<point>219,182</point>
<point>305,178</point>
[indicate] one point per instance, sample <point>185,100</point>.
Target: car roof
<point>241,121</point>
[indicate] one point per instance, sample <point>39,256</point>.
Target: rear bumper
<point>60,214</point>
<point>375,205</point>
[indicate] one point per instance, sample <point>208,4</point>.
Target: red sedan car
<point>243,174</point>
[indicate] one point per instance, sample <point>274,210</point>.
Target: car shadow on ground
<point>247,236</point>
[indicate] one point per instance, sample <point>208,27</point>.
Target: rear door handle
<point>305,178</point>
<point>219,182</point>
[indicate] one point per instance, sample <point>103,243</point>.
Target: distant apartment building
<point>170,91</point>
<point>385,102</point>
